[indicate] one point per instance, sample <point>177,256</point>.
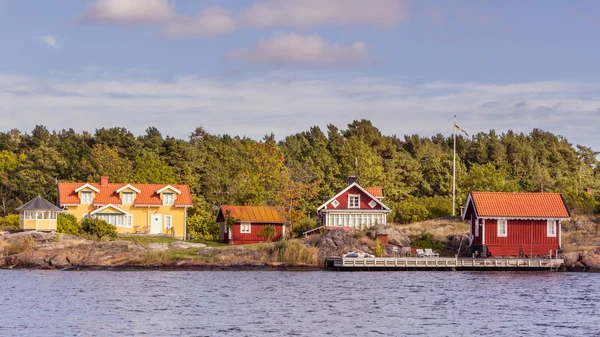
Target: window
<point>502,228</point>
<point>168,198</point>
<point>335,203</point>
<point>116,219</point>
<point>551,228</point>
<point>476,227</point>
<point>168,221</point>
<point>372,204</point>
<point>127,198</point>
<point>354,201</point>
<point>86,198</point>
<point>245,227</point>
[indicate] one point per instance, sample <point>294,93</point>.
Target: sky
<point>252,67</point>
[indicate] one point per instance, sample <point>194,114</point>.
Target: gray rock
<point>155,246</point>
<point>176,245</point>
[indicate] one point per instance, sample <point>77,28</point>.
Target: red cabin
<point>515,224</point>
<point>355,207</point>
<point>248,223</point>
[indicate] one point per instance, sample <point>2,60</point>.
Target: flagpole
<point>454,170</point>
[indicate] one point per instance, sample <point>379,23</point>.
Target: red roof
<point>255,214</point>
<point>377,192</point>
<point>527,205</point>
<point>109,195</point>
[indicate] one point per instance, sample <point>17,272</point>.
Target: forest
<point>300,171</point>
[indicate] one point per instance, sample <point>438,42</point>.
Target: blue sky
<point>252,67</point>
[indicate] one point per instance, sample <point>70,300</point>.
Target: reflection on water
<point>51,303</point>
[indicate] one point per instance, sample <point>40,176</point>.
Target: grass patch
<point>146,240</point>
<point>292,251</point>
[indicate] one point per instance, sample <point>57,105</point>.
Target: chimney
<point>352,180</point>
<point>104,181</point>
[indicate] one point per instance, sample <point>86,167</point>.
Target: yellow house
<point>38,214</point>
<point>132,208</point>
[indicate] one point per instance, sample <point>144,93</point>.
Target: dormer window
<point>127,198</point>
<point>168,198</point>
<point>86,197</point>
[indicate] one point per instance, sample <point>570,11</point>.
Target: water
<point>52,303</point>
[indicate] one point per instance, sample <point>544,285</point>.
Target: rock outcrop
<point>587,260</point>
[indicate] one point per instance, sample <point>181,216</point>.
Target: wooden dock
<point>442,263</point>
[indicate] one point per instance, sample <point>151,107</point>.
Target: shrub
<point>267,233</point>
<point>202,228</point>
<point>68,224</point>
<point>98,227</point>
<point>426,240</point>
<point>10,222</point>
<point>303,226</point>
<point>378,250</point>
<point>293,251</point>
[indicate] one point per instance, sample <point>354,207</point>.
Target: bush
<point>293,251</point>
<point>10,222</point>
<point>202,228</point>
<point>426,240</point>
<point>267,233</point>
<point>67,224</point>
<point>98,227</point>
<point>378,250</point>
<point>303,226</point>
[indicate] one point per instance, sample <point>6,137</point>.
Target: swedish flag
<point>461,130</point>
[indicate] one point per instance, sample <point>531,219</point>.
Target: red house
<point>355,207</point>
<point>515,224</point>
<point>249,222</point>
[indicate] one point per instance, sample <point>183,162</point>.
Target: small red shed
<point>249,222</point>
<point>515,224</point>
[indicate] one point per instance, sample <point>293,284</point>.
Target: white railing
<point>447,262</point>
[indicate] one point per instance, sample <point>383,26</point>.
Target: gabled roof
<point>95,189</point>
<point>518,205</point>
<point>99,210</point>
<point>377,192</point>
<point>108,194</point>
<point>129,186</point>
<point>255,214</point>
<point>360,188</point>
<point>39,204</point>
<point>169,187</point>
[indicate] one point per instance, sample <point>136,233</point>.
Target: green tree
<point>67,224</point>
<point>99,228</point>
<point>267,233</point>
<point>150,169</point>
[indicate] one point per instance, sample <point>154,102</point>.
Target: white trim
<point>335,203</point>
<point>145,205</point>
<point>245,223</point>
<point>559,234</point>
<point>551,224</point>
<point>170,217</point>
<point>505,228</point>
<point>129,186</point>
<point>168,187</point>
<point>372,204</point>
<point>362,190</point>
<point>354,196</point>
<point>69,205</point>
<point>107,206</point>
<point>477,228</point>
<point>87,186</point>
<point>483,232</point>
<point>470,199</point>
<point>471,229</point>
<point>355,210</point>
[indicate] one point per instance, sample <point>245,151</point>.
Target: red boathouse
<point>515,224</point>
<point>249,222</point>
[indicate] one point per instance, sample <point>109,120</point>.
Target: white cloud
<point>49,40</point>
<point>300,49</point>
<point>311,13</point>
<point>290,102</point>
<point>211,22</point>
<point>128,11</point>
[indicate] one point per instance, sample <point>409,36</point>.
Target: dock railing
<point>447,262</point>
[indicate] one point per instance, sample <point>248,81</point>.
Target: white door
<point>156,224</point>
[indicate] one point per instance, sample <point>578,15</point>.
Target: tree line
<point>302,170</point>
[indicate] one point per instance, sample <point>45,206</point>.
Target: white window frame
<point>551,228</point>
<point>128,200</point>
<point>350,197</point>
<point>335,203</point>
<point>477,228</point>
<point>85,201</point>
<point>502,223</point>
<point>372,204</point>
<point>169,223</point>
<point>245,227</point>
<point>169,202</point>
